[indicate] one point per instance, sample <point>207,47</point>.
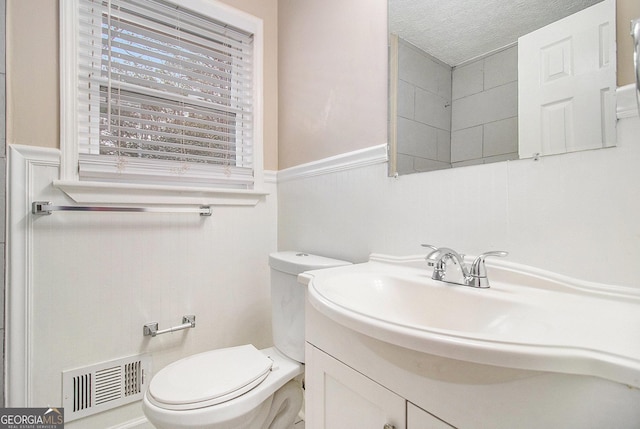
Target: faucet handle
<point>478,268</point>
<point>433,248</point>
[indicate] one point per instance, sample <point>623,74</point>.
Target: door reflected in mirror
<point>553,92</point>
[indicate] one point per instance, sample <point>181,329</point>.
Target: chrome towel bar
<point>151,329</point>
<point>45,208</point>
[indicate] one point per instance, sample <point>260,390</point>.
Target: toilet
<point>243,387</point>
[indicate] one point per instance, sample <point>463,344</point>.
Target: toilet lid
<point>209,378</point>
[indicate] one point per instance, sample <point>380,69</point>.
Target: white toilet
<point>242,387</point>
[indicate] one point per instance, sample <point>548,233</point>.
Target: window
<point>161,93</point>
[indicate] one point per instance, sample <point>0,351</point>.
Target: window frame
<point>164,189</point>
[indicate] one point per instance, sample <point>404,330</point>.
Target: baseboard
<point>138,423</point>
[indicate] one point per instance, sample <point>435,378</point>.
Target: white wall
<point>94,279</point>
<point>575,214</point>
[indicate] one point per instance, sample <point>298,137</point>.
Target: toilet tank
<point>288,298</point>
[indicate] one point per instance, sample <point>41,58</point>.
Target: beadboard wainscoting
<point>561,213</point>
<point>81,285</point>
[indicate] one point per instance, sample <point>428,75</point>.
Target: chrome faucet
<point>474,276</point>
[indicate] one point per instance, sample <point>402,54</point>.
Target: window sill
<point>117,193</point>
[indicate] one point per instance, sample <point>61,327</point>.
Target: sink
<point>528,319</point>
<point>400,300</point>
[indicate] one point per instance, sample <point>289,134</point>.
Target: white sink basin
<point>414,301</point>
<point>527,319</point>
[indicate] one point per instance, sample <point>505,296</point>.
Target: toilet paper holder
<point>151,329</point>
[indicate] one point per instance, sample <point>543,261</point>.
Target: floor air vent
<point>101,387</point>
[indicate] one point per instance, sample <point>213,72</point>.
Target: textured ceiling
<point>455,31</point>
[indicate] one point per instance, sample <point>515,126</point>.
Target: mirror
<point>474,82</point>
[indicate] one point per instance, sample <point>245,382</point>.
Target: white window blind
<point>165,94</point>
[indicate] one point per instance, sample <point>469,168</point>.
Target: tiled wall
<point>484,124</point>
<point>424,111</point>
<point>3,164</point>
<point>455,116</point>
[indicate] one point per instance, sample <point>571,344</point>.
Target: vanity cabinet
<point>417,418</point>
<point>369,365</point>
<point>339,397</point>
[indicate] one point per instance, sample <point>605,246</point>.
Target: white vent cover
<point>101,387</point>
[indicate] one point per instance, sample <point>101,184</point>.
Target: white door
<point>567,83</point>
<point>338,397</point>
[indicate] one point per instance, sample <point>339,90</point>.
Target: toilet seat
<point>209,378</point>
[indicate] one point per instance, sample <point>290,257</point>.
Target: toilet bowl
<point>226,388</point>
<point>243,387</point>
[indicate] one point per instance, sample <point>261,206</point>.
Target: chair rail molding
<point>346,161</point>
<point>22,162</point>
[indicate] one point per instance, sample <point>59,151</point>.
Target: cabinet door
<point>417,418</point>
<point>339,397</point>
